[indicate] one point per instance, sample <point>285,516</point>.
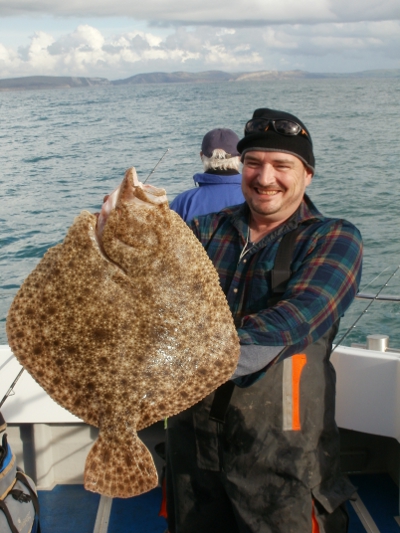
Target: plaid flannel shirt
<point>326,270</point>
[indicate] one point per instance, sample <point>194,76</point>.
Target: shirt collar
<point>216,179</point>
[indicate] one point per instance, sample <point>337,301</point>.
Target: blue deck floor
<point>68,509</point>
<point>140,515</point>
<point>71,509</point>
<point>380,495</point>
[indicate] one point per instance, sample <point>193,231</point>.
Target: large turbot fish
<point>123,324</point>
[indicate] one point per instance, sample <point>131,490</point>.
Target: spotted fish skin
<point>124,324</point>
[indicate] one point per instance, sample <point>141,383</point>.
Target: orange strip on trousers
<point>163,508</point>
<point>315,526</point>
<point>298,363</point>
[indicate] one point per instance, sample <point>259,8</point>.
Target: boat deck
<point>71,509</point>
<point>377,508</point>
<point>51,445</point>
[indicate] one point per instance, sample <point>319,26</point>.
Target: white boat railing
<point>380,297</point>
<point>57,442</point>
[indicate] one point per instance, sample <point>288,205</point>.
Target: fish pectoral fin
<point>120,466</point>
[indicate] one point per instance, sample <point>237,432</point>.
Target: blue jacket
<point>215,192</point>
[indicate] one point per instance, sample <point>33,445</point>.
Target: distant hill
<point>49,82</point>
<point>215,76</point>
<point>210,76</point>
<point>178,77</point>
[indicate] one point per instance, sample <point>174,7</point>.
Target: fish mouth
<point>130,191</point>
<point>154,195</point>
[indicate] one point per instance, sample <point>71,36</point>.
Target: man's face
<point>273,184</point>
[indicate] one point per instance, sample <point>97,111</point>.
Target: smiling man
<point>273,185</point>
<point>261,454</point>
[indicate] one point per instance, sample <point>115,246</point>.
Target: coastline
<point>212,76</point>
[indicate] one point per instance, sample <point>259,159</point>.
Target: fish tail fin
<point>120,467</point>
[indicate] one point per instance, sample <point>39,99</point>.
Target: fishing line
<point>373,299</point>
<point>376,277</point>
<point>159,161</point>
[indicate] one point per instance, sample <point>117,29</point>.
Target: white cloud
<point>37,53</point>
<point>89,51</point>
<point>241,12</point>
<point>84,38</point>
<point>279,39</point>
<point>324,39</point>
<point>86,52</point>
<point>8,57</point>
<point>372,10</point>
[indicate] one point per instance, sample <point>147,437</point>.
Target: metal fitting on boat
<point>379,343</point>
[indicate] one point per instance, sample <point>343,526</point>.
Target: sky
<point>116,39</point>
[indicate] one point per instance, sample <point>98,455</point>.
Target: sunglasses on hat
<point>280,125</point>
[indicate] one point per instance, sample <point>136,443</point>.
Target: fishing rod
<point>11,389</point>
<point>373,298</point>
<point>159,161</point>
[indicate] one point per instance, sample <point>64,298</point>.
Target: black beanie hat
<point>272,141</point>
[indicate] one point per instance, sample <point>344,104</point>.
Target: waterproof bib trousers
<point>273,465</point>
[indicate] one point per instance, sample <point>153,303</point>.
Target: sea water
<point>61,151</point>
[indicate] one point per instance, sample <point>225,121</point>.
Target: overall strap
<point>281,272</point>
<point>222,398</point>
<point>280,275</point>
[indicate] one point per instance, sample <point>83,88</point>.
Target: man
<point>219,185</point>
<point>271,462</point>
